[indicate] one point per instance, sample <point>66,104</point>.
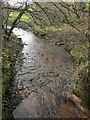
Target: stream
<point>42,78</point>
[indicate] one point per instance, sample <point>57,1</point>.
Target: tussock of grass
<point>79,54</point>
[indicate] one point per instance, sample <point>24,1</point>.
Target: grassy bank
<point>42,30</point>
<point>76,45</point>
<point>10,51</point>
<point>79,57</point>
<point>6,69</point>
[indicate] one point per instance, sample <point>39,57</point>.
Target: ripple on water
<point>46,70</point>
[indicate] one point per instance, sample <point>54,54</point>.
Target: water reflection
<point>45,72</point>
<point>29,41</point>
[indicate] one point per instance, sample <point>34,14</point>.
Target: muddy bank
<point>67,37</point>
<point>10,50</point>
<point>75,43</point>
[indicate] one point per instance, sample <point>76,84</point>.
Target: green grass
<point>39,30</point>
<point>46,28</point>
<point>51,28</point>
<point>13,15</point>
<point>80,85</point>
<point>79,54</point>
<point>30,9</point>
<point>24,17</point>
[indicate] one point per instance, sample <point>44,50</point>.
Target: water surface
<point>42,78</point>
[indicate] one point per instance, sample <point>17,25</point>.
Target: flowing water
<point>42,78</point>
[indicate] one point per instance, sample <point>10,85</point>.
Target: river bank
<point>76,44</point>
<point>10,50</point>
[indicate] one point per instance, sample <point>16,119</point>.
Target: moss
<point>6,69</point>
<point>6,76</point>
<point>9,53</point>
<point>10,50</point>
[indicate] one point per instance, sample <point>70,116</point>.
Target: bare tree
<point>54,14</point>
